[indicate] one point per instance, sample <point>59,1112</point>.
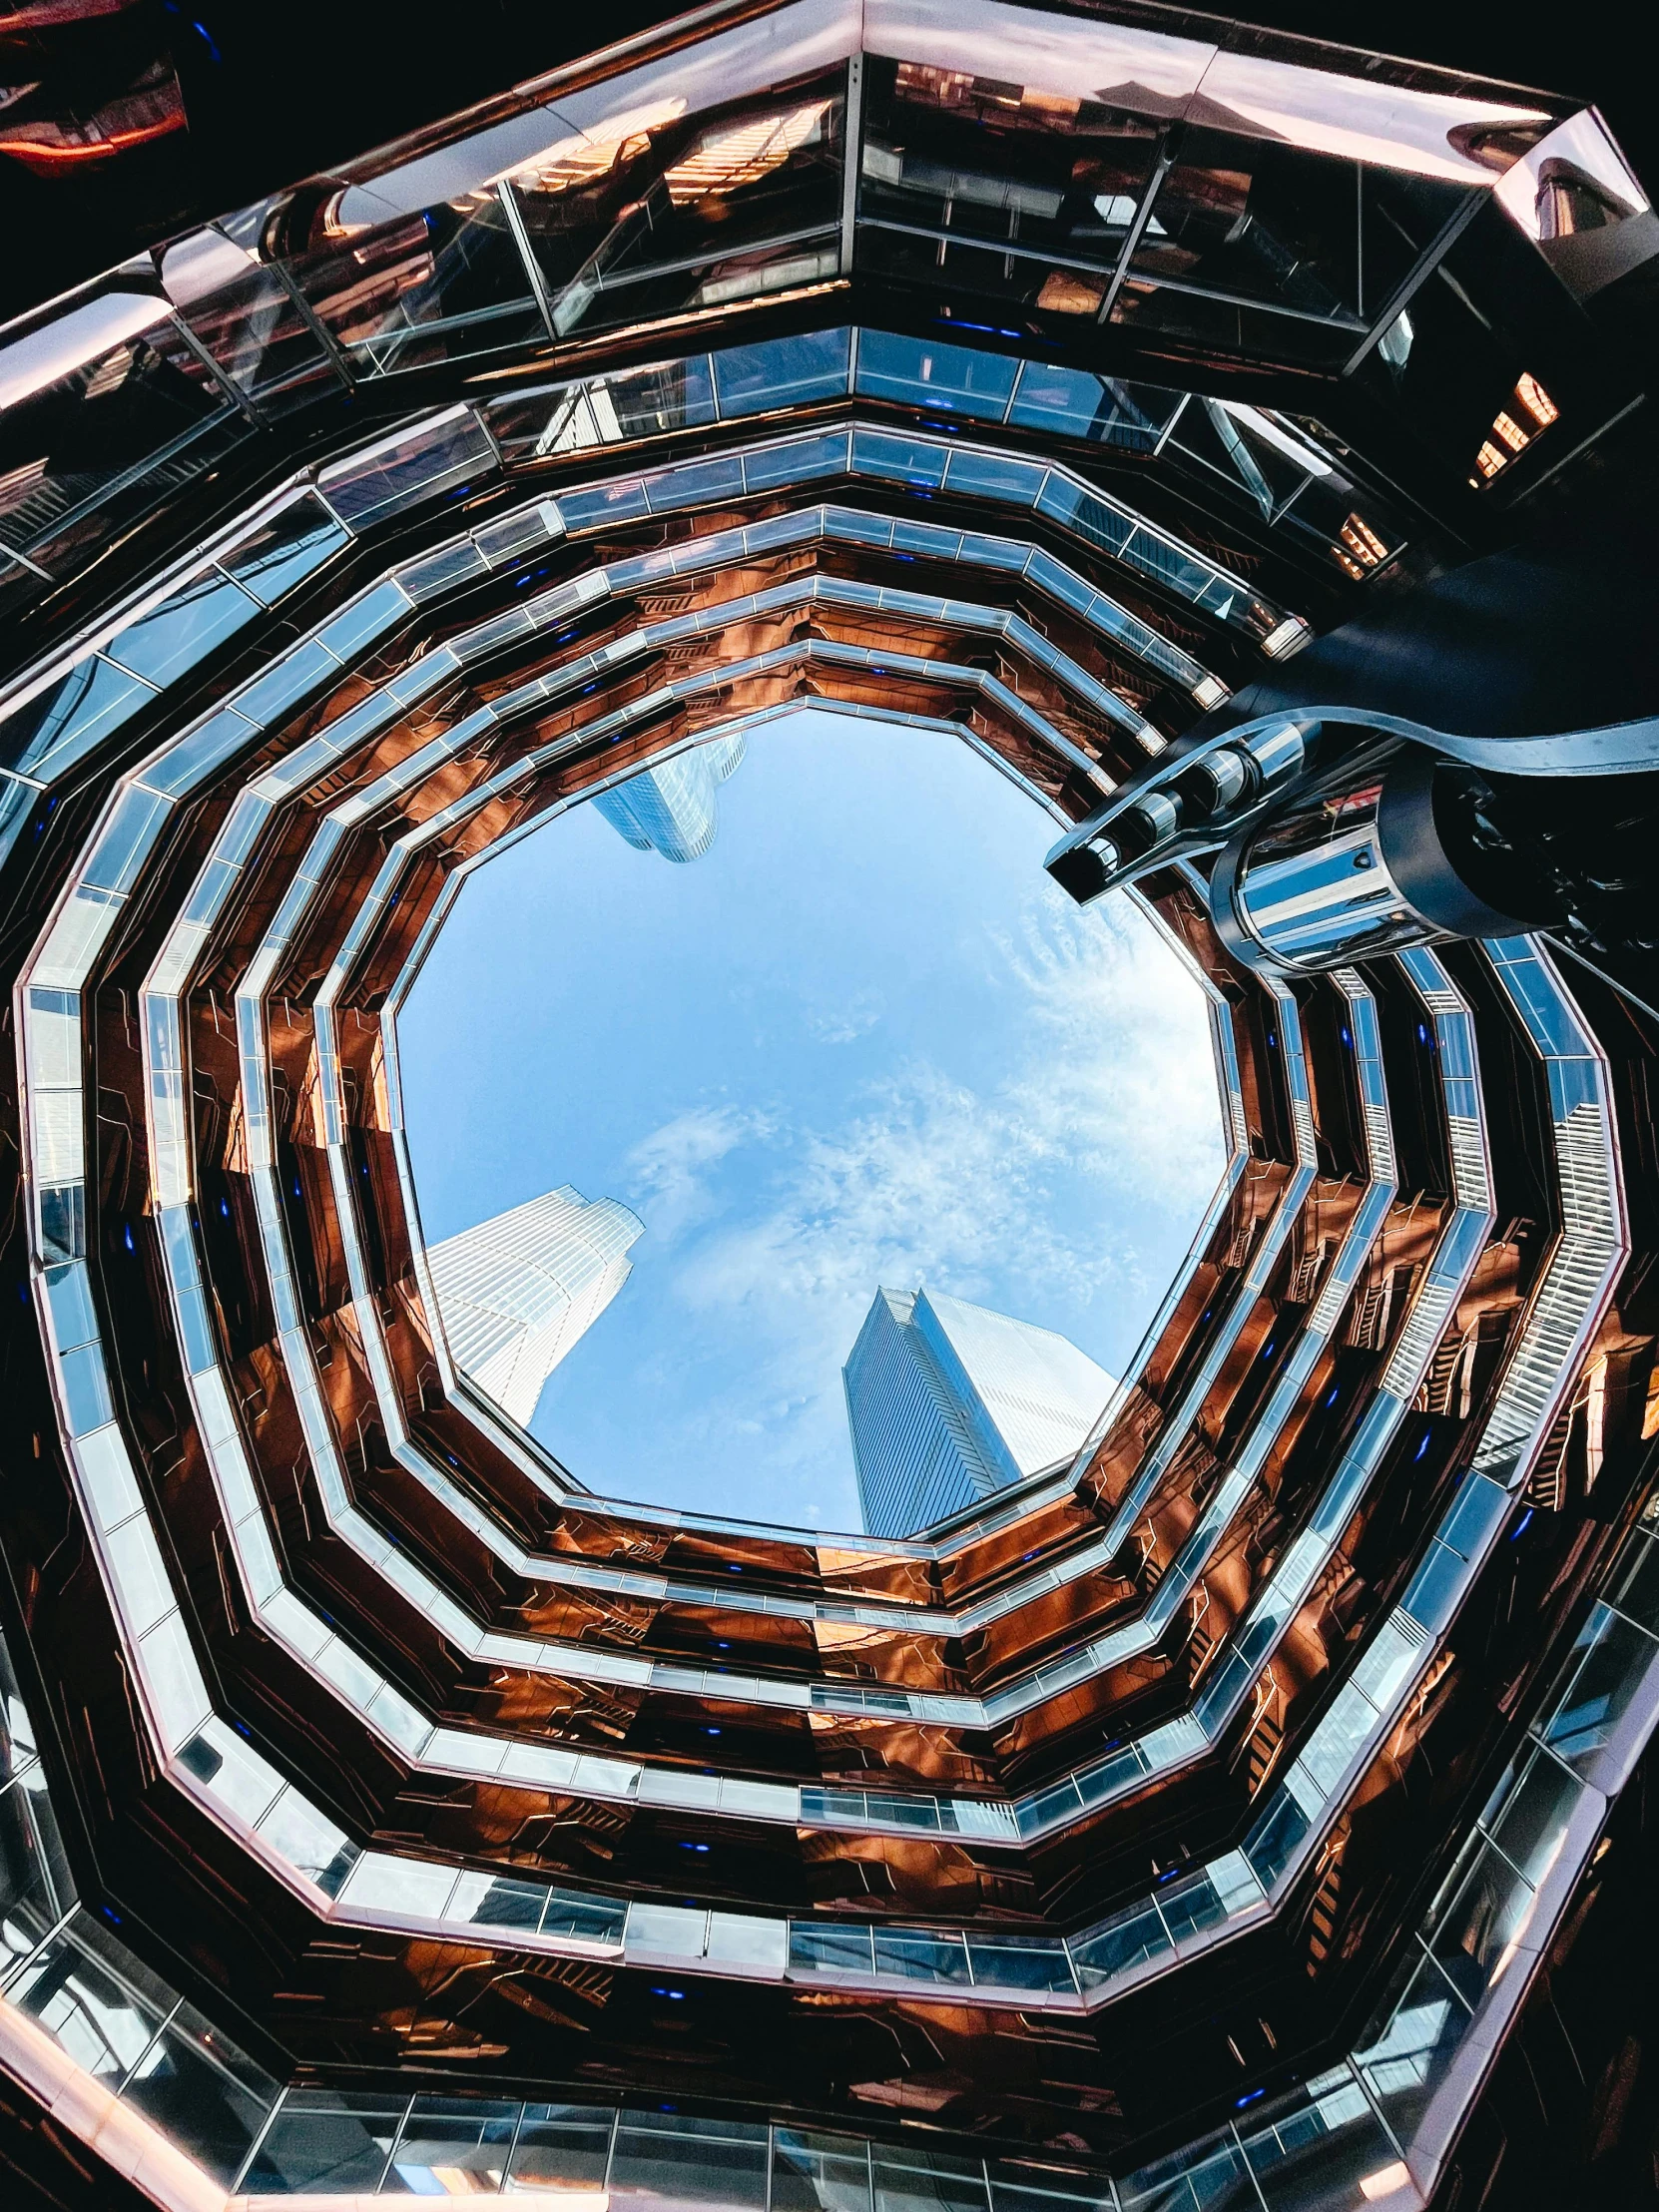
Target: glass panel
<point>1272,1843</point>
<point>202,2092</point>
<point>687,2161</point>
<point>440,286</point>
<point>257,335</point>
<point>920,372</point>
<point>1168,312</point>
<point>1615,1659</point>
<point>819,2173</point>
<point>1409,2058</point>
<point>18,802</point>
<point>1474,1938</point>
<point>17,1735</point>
<point>924,2181</point>
<point>1228,1681</point>
<point>1635,1591</point>
<point>453,2146</point>
<point>309,1842</point>
<point>183,629</point>
<point>331,2142</point>
<point>1255,220</point>
<point>687,215</point>
<point>562,2146</point>
<point>444,458</point>
<point>1321,2158</point>
<point>62,1221</point>
<point>697,482</point>
<point>1007,194</point>
<point>1531,1826</point>
<point>304,669</point>
<point>281,552</point>
<point>27,1905</point>
<point>606,504</point>
<point>829,1950</point>
<point>1188,1907</point>
<point>69,1295</point>
<point>593,1919</point>
<point>1016,2188</point>
<point>1119,1943</point>
<point>507,1903</point>
<point>102,2023</point>
<point>91,452</point>
<point>604,410</point>
<point>213,745</point>
<point>782,373</point>
<point>1016,1965</point>
<point>366,619</point>
<point>1211,2177</point>
<point>919,1956</point>
<point>1074,404</point>
<point>86,1390</point>
<point>914,461</point>
<point>126,840</point>
<point>797,461</point>
<point>1170,565</point>
<point>1092,519</point>
<point>994,476</point>
<point>70,717</point>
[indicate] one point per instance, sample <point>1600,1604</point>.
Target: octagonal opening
<point>697,1069</point>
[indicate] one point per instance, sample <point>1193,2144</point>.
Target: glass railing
<point>313,1848</point>
<point>131,830</point>
<point>377,289</point>
<point>965,1815</point>
<point>390,1709</point>
<point>512,235</point>
<point>63,712</point>
<point>372,482</point>
<point>1374,2127</point>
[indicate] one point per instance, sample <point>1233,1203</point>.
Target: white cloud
<point>845,1023</point>
<point>1111,1086</point>
<point>1122,1079</point>
<point>669,1170</point>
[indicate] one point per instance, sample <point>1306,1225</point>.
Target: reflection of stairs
<point>1305,1273</point>
<point>1264,1739</point>
<point>1151,1572</point>
<point>1370,1318</point>
<point>1334,1577</point>
<point>1266,1735</point>
<point>1321,1916</point>
<point>1436,1391</point>
<point>1202,1639</point>
<point>1547,1485</point>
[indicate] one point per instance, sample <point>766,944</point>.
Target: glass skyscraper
<point>674,810</point>
<point>519,1290</point>
<point>947,1402</point>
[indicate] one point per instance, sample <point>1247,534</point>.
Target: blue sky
<point>862,1040</point>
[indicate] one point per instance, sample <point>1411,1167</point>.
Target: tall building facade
<point>518,1292</point>
<point>1231,439</point>
<point>947,1402</point>
<point>674,810</point>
